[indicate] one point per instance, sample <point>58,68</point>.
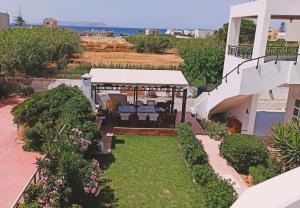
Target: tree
<point>247,32</point>
<point>19,21</point>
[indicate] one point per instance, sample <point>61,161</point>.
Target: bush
<point>219,194</point>
<point>243,151</point>
<point>215,130</point>
<point>26,92</point>
<point>262,173</point>
<point>157,43</point>
<point>4,91</point>
<point>82,69</point>
<point>203,174</point>
<point>35,137</point>
<point>287,140</point>
<point>192,149</point>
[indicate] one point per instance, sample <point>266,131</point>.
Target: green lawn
<point>148,172</point>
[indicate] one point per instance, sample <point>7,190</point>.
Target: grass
<point>149,172</point>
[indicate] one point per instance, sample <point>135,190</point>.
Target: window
<point>296,112</point>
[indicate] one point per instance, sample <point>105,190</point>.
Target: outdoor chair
<point>142,118</point>
<point>153,119</point>
<point>151,103</point>
<point>124,117</point>
<point>139,103</point>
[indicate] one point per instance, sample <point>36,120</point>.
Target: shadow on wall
<point>265,120</point>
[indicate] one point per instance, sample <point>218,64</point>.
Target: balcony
<point>279,53</point>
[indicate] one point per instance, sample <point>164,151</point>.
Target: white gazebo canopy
<point>138,77</point>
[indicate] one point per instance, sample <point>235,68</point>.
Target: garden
<point>251,156</point>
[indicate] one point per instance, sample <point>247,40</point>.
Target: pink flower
<point>97,193</point>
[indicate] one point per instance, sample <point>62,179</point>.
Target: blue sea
<point>116,30</point>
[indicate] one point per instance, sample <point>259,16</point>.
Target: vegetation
<point>57,123</point>
<point>262,173</point>
<point>148,172</point>
<point>151,43</point>
<point>247,32</point>
<point>216,191</point>
<point>242,151</point>
<point>45,113</point>
<point>30,50</point>
<point>287,140</point>
<point>215,130</point>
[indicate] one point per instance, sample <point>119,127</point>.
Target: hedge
<point>242,151</point>
<point>215,130</point>
<point>262,173</point>
<point>217,192</point>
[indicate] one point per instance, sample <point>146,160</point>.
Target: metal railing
<point>245,52</point>
<point>33,180</point>
<point>237,69</point>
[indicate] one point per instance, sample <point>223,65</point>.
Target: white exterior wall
<point>4,20</point>
<point>251,81</point>
<point>294,94</point>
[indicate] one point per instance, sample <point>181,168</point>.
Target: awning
<point>138,77</point>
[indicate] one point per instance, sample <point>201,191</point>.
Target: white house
<point>4,20</point>
<point>203,33</point>
<point>251,71</point>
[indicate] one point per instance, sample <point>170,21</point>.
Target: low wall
<point>42,83</point>
<point>144,131</point>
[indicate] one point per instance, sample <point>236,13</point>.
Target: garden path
<point>16,165</point>
<point>220,165</point>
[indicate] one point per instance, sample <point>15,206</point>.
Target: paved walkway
<point>197,128</point>
<point>220,165</point>
<point>16,166</point>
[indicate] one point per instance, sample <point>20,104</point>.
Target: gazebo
<point>135,81</point>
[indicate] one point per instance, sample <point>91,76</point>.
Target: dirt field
<point>116,51</point>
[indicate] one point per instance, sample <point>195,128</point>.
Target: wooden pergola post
<point>183,106</point>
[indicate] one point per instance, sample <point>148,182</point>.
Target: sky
<point>209,14</point>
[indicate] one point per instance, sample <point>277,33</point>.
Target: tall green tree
<point>19,21</point>
<point>247,32</point>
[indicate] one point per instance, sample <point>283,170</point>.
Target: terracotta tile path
<point>16,166</point>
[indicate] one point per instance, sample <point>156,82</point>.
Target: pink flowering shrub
<point>67,177</point>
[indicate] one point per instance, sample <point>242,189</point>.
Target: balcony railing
<point>240,51</point>
<point>279,52</point>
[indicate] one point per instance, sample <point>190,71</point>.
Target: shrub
<point>215,130</point>
<point>219,194</point>
<point>243,151</point>
<point>192,149</point>
<point>262,173</point>
<point>82,69</point>
<point>26,92</point>
<point>203,174</point>
<point>157,43</point>
<point>287,140</point>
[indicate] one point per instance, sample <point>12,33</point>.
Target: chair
<point>142,118</point>
<point>153,118</point>
<point>139,103</point>
<point>151,102</point>
<point>124,117</point>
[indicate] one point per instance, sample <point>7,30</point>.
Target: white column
<point>233,36</point>
<point>252,114</point>
<point>261,34</point>
<point>87,86</point>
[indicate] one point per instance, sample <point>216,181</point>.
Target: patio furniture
<point>153,118</point>
<point>151,103</point>
<point>139,103</point>
<point>126,109</point>
<point>124,117</point>
<point>146,109</point>
<point>142,116</point>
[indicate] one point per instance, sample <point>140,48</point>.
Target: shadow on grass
<point>105,161</point>
<point>106,199</point>
<point>116,141</point>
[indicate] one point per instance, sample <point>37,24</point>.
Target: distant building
<point>273,34</point>
<point>150,31</point>
<point>50,22</point>
<point>98,33</point>
<point>203,33</point>
<point>189,32</point>
<point>4,20</point>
